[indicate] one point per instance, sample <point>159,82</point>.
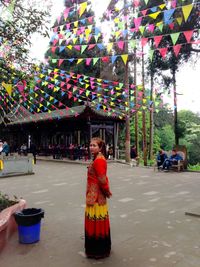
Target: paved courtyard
<point>147,211</point>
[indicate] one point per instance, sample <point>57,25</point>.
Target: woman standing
<point>97,225</point>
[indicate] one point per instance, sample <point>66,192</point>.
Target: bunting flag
<point>8,87</point>
<point>186,11</point>
<point>82,8</point>
<point>176,49</point>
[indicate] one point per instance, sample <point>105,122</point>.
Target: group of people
<point>164,162</point>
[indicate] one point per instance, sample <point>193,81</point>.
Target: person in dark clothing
<point>173,160</point>
<point>161,157</point>
<point>33,150</point>
<point>6,148</point>
<point>134,156</point>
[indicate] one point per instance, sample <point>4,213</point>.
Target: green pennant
<point>142,28</point>
<point>83,47</point>
<point>53,60</point>
<point>95,59</point>
<point>160,26</point>
<point>132,43</point>
<point>174,37</point>
<point>151,52</point>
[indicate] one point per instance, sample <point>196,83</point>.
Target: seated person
<point>161,157</point>
<point>173,160</point>
<point>134,156</point>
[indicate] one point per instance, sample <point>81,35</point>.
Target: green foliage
<point>194,167</point>
<point>166,135</point>
<point>6,202</point>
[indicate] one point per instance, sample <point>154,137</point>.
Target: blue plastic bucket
<point>29,234</point>
<point>29,224</point>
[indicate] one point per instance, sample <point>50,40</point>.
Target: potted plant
<point>7,222</point>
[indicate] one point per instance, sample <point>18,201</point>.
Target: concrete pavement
<point>149,227</point>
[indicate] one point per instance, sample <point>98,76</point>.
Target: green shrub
<point>6,202</point>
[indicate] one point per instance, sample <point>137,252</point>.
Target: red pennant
<point>60,62</point>
<point>53,49</point>
<point>163,51</point>
<point>176,49</point>
<point>188,35</point>
<point>105,59</point>
<point>171,26</point>
<point>157,40</point>
<point>144,41</point>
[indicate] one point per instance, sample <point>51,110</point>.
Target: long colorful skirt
<point>97,231</point>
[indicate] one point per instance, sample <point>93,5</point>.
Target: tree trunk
<point>135,100</point>
<point>175,109</point>
<point>126,82</point>
<point>151,120</point>
<point>144,116</point>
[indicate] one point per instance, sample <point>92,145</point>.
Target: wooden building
<point>62,127</point>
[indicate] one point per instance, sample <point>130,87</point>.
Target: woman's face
<point>94,148</point>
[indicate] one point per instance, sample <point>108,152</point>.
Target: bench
<point>181,165</point>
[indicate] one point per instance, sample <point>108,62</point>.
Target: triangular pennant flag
<point>8,87</point>
<point>120,45</point>
<point>132,43</point>
<point>83,47</point>
<point>146,1</point>
<point>137,22</point>
<point>82,8</point>
<point>124,58</point>
<point>90,46</point>
<point>160,26</point>
<point>186,11</point>
<point>154,15</point>
<point>162,6</point>
<point>144,41</point>
<point>179,20</point>
<point>167,15</point>
<point>151,52</point>
<point>163,51</point>
<point>157,40</point>
<point>144,12</point>
<point>88,60</point>
<point>174,37</point>
<point>95,59</point>
<point>113,58</point>
<point>188,35</point>
<point>142,28</point>
<point>176,49</point>
<point>60,62</point>
<point>109,47</point>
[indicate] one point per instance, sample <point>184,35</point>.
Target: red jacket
<point>97,182</point>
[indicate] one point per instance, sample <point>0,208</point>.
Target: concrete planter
<point>7,222</point>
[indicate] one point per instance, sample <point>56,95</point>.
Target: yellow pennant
<point>187,10</point>
<point>109,47</point>
<point>79,60</point>
<point>8,87</point>
<point>179,20</point>
<point>154,15</point>
<point>124,58</point>
<point>82,9</point>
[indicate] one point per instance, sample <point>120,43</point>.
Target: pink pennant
<point>77,47</point>
<point>173,3</point>
<point>90,19</point>
<point>55,29</point>
<point>144,12</point>
<point>55,42</point>
<point>136,3</point>
<point>137,22</point>
<point>188,35</point>
<point>88,60</point>
<point>163,51</point>
<point>120,45</point>
<point>157,40</point>
<point>69,86</point>
<point>176,49</point>
<point>151,27</point>
<point>53,49</point>
<point>66,12</point>
<point>68,26</point>
<point>62,84</point>
<point>58,19</point>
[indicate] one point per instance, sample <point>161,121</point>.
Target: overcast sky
<point>187,77</point>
